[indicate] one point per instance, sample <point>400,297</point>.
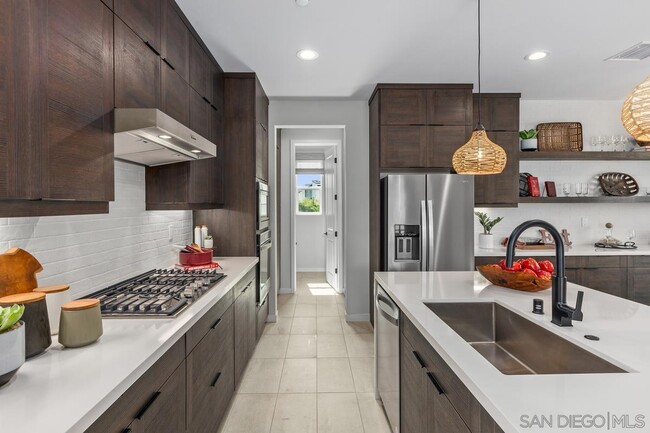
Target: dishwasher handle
<point>387,308</point>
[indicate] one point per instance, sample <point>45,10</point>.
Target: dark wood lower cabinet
<point>245,326</point>
<point>432,398</point>
<point>210,376</point>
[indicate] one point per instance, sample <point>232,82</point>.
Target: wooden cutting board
<point>18,271</point>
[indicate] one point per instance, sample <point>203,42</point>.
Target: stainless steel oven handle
<point>266,245</point>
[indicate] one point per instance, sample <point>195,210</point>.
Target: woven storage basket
<point>559,137</point>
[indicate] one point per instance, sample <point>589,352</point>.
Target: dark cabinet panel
<point>403,107</point>
<point>501,189</point>
<point>200,112</point>
<point>175,95</point>
<point>217,88</point>
<point>245,328</point>
<point>261,105</point>
<point>261,152</point>
<point>210,376</point>
<point>77,151</point>
<point>165,410</point>
<point>639,285</point>
<point>413,389</point>
<point>137,71</point>
<point>608,280</point>
<point>200,70</point>
<point>499,112</point>
<point>449,107</point>
<point>108,3</point>
<point>205,182</point>
<point>143,16</point>
<point>163,185</point>
<point>403,146</point>
<point>442,142</point>
<point>442,417</point>
<point>175,41</point>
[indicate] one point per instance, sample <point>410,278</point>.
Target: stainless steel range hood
<point>148,136</point>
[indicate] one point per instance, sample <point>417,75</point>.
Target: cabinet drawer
<point>640,261</point>
<point>454,389</point>
<point>639,288</point>
<point>210,376</point>
<point>246,282</point>
<point>121,414</point>
<point>208,321</point>
<point>604,262</point>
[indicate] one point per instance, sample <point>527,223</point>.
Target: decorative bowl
<point>513,280</point>
<point>195,259</point>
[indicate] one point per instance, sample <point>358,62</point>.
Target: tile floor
<point>312,372</point>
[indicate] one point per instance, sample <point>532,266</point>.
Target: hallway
<point>312,372</point>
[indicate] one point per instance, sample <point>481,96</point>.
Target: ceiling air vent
<point>635,53</point>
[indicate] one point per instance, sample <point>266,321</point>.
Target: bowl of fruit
<point>526,275</point>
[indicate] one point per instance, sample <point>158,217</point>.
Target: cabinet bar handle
<point>216,379</point>
<point>126,430</point>
<point>419,358</point>
<point>216,323</point>
<point>168,64</point>
<point>206,99</point>
<point>146,407</point>
<point>433,380</point>
<point>214,108</point>
<point>147,43</point>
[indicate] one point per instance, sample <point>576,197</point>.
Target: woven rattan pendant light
<point>636,113</point>
<point>479,155</point>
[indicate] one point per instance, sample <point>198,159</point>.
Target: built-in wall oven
<point>264,266</point>
<point>263,206</point>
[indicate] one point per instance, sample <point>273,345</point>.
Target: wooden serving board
<point>536,247</point>
<point>18,271</point>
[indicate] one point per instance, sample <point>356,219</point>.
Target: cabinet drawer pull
<point>214,108</point>
<point>433,380</point>
<point>168,64</point>
<point>216,379</point>
<point>147,43</point>
<point>206,99</point>
<point>216,323</point>
<point>419,358</point>
<point>146,407</point>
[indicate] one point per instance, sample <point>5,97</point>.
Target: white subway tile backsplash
<point>91,252</point>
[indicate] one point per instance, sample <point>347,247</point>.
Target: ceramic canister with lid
<point>37,323</point>
<point>80,323</point>
<point>55,296</point>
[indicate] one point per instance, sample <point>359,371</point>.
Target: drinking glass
<point>566,189</point>
<point>595,142</point>
<point>615,140</point>
<point>602,141</point>
<point>631,235</point>
<point>585,189</point>
<point>624,142</point>
<point>578,189</point>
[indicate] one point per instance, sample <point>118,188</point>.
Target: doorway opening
<point>311,180</point>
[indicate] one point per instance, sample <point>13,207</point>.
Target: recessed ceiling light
<point>537,55</point>
<point>307,55</point>
<point>165,137</point>
<point>302,2</point>
<point>196,151</point>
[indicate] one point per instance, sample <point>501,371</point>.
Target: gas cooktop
<point>157,293</point>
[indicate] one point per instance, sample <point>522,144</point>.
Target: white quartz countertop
<point>623,327</point>
<point>66,390</point>
<point>575,250</point>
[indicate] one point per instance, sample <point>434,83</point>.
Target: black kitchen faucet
<point>562,314</point>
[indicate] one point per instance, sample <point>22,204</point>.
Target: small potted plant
<point>208,242</point>
<point>12,341</point>
<point>528,139</point>
<point>486,239</point>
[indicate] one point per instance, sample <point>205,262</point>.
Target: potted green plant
<point>486,239</point>
<point>12,341</point>
<point>208,242</point>
<point>528,139</point>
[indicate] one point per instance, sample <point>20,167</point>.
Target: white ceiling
<point>363,42</point>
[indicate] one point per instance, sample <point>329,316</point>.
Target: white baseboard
<point>285,290</point>
<point>357,317</point>
<point>311,270</point>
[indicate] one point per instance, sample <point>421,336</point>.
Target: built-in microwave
<point>263,206</point>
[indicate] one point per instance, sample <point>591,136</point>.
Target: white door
<point>331,225</point>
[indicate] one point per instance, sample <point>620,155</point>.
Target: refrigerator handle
<point>423,236</point>
<point>430,240</point>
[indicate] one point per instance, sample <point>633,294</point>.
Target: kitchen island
<point>524,403</point>
<point>67,390</point>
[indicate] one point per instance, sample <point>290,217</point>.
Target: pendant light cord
<point>480,126</point>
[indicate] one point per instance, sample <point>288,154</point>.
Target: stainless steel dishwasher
<point>387,355</point>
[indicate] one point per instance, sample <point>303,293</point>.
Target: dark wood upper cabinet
<point>175,95</point>
<point>403,107</point>
<point>261,152</point>
<point>500,117</point>
<point>403,146</point>
<point>137,71</point>
<point>442,142</point>
<point>449,106</point>
<point>200,112</point>
<point>200,70</point>
<point>77,151</point>
<point>175,41</point>
<point>143,16</point>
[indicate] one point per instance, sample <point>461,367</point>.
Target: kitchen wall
<point>584,221</point>
<point>354,116</point>
<point>90,252</point>
<point>310,243</point>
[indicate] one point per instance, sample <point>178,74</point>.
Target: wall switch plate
<point>584,222</point>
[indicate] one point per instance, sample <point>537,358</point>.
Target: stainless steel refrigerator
<point>427,222</point>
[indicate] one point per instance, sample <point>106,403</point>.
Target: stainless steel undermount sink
<point>515,345</point>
